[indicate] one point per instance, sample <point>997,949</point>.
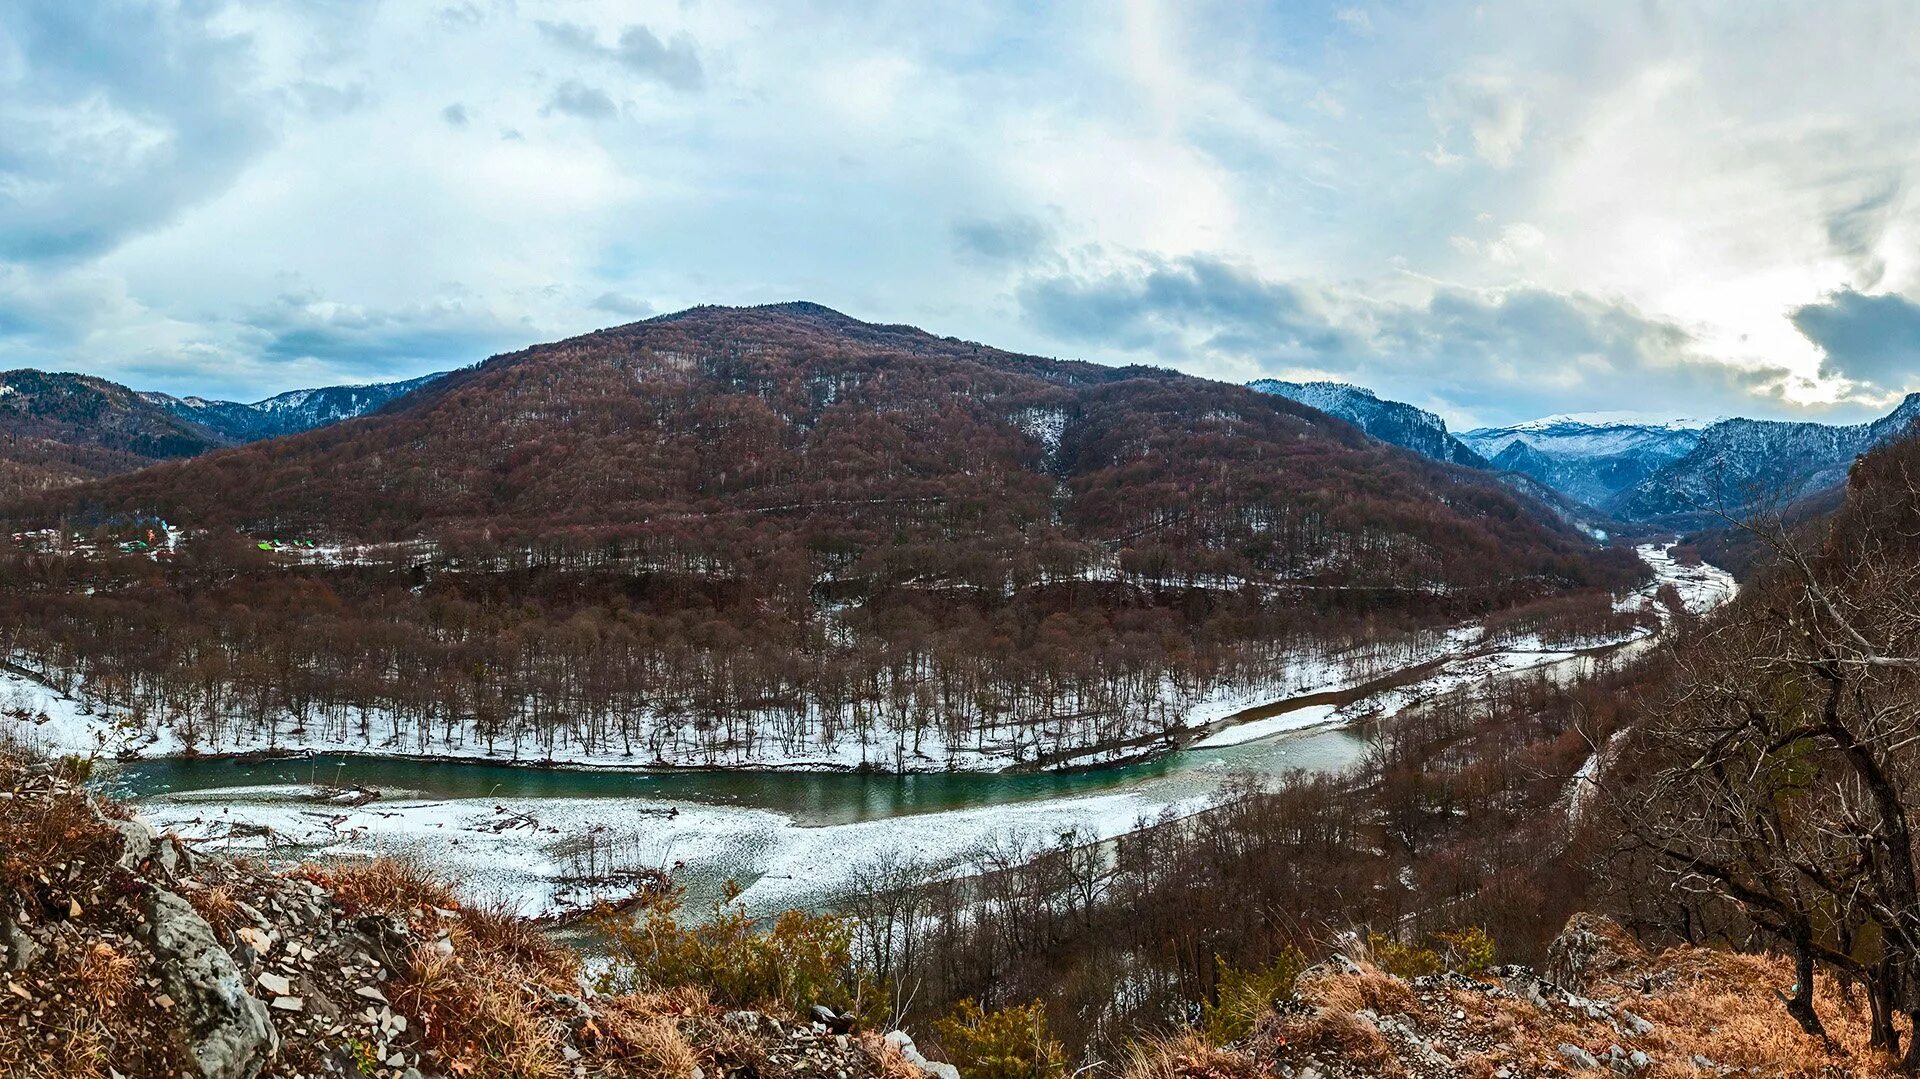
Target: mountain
<point>60,428</point>
<point>1739,463</point>
<point>287,413</point>
<point>818,419</point>
<point>1590,458</point>
<point>1389,421</point>
<point>736,535</point>
<point>1680,473</point>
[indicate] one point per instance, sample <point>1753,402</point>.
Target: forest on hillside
<point>1748,787</point>
<point>771,527</point>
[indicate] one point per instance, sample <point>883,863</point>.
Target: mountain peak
<point>1402,424</point>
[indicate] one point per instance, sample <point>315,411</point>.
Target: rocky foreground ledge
<point>123,955</point>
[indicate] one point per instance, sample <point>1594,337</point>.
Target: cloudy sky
<point>1498,210</point>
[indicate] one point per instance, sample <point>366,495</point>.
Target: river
<point>516,834</point>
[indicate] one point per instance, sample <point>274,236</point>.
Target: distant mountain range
<point>287,413</point>
<point>1683,472</point>
<point>1625,467</point>
<point>1592,457</point>
<point>1389,421</point>
<point>58,428</point>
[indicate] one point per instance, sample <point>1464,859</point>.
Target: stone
<point>274,984</point>
<point>136,842</point>
<point>227,1031</point>
<point>1592,947</point>
<point>17,946</point>
<point>903,1042</point>
<point>1577,1056</point>
<point>290,1004</point>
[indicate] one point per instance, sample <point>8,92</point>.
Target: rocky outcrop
<point>229,1032</point>
<point>1593,948</point>
<point>123,954</point>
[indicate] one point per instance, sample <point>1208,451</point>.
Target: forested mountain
<point>1738,462</point>
<point>1389,421</point>
<point>286,413</point>
<point>57,429</point>
<point>1680,473</point>
<point>725,526</point>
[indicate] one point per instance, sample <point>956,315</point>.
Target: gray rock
<point>136,842</point>
<point>1577,1056</point>
<point>227,1031</point>
<point>17,945</point>
<point>903,1042</point>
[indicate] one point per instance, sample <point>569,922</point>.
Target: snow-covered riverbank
<point>528,851</point>
<point>35,715</point>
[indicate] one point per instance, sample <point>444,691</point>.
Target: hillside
<point>125,955</point>
<point>58,429</point>
<point>61,429</point>
<point>1389,421</point>
<point>760,534</point>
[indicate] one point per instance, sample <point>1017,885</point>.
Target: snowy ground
<point>523,852</point>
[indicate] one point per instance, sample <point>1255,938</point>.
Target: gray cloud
<point>586,102</point>
<point>614,303</point>
<point>349,339</point>
<point>1014,238</point>
<point>455,115</point>
<point>1515,353</point>
<point>639,50</point>
<point>1872,339</point>
<point>114,117</point>
<point>1855,231</point>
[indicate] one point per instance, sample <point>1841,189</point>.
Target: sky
<point>1495,210</point>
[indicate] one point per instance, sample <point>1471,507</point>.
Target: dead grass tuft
<point>482,1018</point>
<point>1188,1056</point>
<point>1370,988</point>
<point>103,975</point>
<point>387,885</point>
<point>217,904</point>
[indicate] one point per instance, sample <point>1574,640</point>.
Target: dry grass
<point>482,1016</point>
<point>399,886</point>
<point>1723,1007</point>
<point>103,975</point>
<point>886,1058</point>
<point>1371,988</point>
<point>217,904</point>
<point>645,1031</point>
<point>1187,1056</point>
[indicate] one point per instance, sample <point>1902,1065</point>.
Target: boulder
<point>227,1030</point>
<point>903,1042</point>
<point>1593,948</point>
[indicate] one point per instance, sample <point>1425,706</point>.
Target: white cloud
<point>468,173</point>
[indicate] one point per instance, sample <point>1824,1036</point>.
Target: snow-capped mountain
<point>1591,457</point>
<point>287,413</point>
<point>1639,468</point>
<point>1737,463</point>
<point>1389,421</point>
